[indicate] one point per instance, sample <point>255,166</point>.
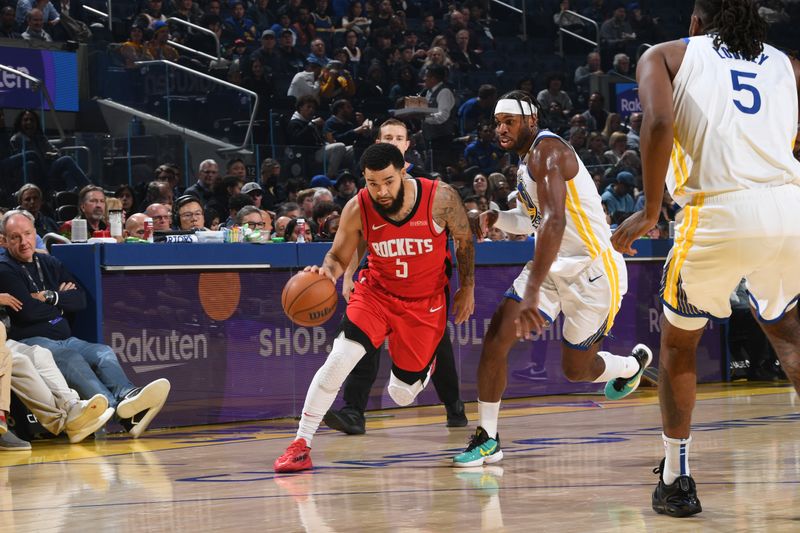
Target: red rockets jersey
<point>407,258</point>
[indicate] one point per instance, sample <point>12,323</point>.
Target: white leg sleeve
<point>344,356</point>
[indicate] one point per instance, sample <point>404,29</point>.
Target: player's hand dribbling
<point>322,271</point>
<point>463,304</point>
<point>347,287</point>
<point>481,223</point>
<point>530,319</point>
<point>631,229</point>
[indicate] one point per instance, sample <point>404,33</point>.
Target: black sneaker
<point>455,415</point>
<point>678,499</point>
<point>346,420</point>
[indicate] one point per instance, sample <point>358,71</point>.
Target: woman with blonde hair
<point>436,56</point>
<point>613,124</point>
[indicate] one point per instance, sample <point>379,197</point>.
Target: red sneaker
<point>297,457</point>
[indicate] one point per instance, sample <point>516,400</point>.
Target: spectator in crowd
<point>668,206</point>
<point>484,153</point>
<point>340,126</point>
<point>478,109</point>
<point>645,27</point>
<point>464,56</point>
<point>336,82</point>
<point>223,191</point>
<point>633,130</point>
<point>616,33</point>
<point>293,230</point>
<point>407,84</point>
<point>273,193</point>
<point>594,154</point>
<point>92,207</point>
<point>305,130</point>
<point>566,20</point>
<point>134,225</point>
<point>46,291</point>
<point>250,216</point>
<point>134,49</point>
<point>303,27</point>
<point>618,197</point>
<point>62,171</point>
<point>613,125</point>
<point>596,116</point>
<point>262,15</point>
<point>293,59</point>
<point>618,144</point>
<point>235,203</point>
<point>584,73</point>
<point>322,211</point>
<point>161,215</point>
<point>158,47</point>
<point>428,31</point>
<point>596,11</point>
<point>187,10</point>
<point>306,83</point>
<point>318,51</point>
<point>269,54</point>
<point>35,30</point>
<point>153,13</point>
<point>258,79</point>
<point>577,138</point>
<point>126,196</point>
<point>553,119</point>
<point>323,191</point>
<point>171,174</point>
<point>439,127</point>
<point>621,66</point>
<point>305,198</point>
<point>29,198</point>
<point>436,56</point>
<point>8,25</point>
<point>351,44</point>
<point>480,187</point>
<point>41,387</point>
<point>202,41</point>
<point>50,16</point>
<point>236,167</point>
<point>345,188</point>
<point>239,25</point>
<point>254,191</point>
<point>189,213</point>
<point>553,93</point>
<point>356,22</point>
<point>158,192</point>
<point>207,178</point>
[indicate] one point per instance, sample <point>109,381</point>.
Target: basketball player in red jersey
<point>401,296</point>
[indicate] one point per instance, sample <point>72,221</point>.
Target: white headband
<point>514,107</point>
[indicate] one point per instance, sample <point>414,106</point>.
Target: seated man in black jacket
<point>306,130</point>
<point>47,291</point>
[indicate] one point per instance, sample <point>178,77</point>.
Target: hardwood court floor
<point>573,463</point>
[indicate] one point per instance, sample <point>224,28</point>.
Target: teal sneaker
<point>616,389</point>
<point>482,449</point>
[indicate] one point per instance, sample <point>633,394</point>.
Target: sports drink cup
<point>148,229</point>
<point>301,230</point>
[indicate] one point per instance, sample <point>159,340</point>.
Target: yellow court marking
<point>58,450</point>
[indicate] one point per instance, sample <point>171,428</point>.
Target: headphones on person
<point>180,202</point>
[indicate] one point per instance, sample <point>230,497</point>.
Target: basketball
<point>309,299</point>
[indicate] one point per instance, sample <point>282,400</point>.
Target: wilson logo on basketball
<point>314,315</point>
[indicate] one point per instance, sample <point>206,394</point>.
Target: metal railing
<point>169,64</point>
<point>200,29</point>
<point>38,84</point>
<point>99,13</point>
<point>562,31</point>
<point>522,12</point>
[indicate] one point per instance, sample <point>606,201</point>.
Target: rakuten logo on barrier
<point>156,352</point>
<point>12,81</point>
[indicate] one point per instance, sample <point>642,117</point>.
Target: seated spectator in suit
<point>207,177</point>
<point>618,197</point>
<point>29,198</point>
<point>484,152</point>
<point>161,215</point>
<point>188,213</point>
<point>41,387</point>
<point>46,291</point>
<point>304,129</point>
<point>62,171</point>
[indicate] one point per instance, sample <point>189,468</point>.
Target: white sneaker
<point>78,434</point>
<point>146,402</point>
<point>85,412</point>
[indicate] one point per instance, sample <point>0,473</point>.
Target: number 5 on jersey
<point>402,269</point>
<point>736,76</point>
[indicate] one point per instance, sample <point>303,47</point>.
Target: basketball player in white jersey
<point>720,116</point>
<point>575,271</point>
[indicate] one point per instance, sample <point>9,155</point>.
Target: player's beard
<point>395,206</point>
<point>523,138</point>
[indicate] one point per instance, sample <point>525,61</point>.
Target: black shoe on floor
<point>678,499</point>
<point>346,420</point>
<point>455,415</point>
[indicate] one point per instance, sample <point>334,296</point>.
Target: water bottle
<point>115,222</point>
<point>301,228</point>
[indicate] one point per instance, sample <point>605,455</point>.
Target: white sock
<point>617,366</point>
<point>488,413</point>
<point>326,384</point>
<point>676,452</point>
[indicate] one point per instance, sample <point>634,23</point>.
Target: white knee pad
<point>344,356</point>
<point>401,392</point>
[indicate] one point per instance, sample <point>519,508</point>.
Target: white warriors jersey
<point>735,122</point>
<point>587,233</point>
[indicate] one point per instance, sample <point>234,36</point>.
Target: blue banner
<point>59,70</point>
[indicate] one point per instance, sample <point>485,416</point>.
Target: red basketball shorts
<point>414,327</point>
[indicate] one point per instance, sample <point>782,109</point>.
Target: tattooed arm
<point>449,212</point>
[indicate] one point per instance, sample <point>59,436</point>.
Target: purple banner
<point>231,354</point>
<point>59,70</point>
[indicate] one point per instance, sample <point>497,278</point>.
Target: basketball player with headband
<point>574,271</point>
